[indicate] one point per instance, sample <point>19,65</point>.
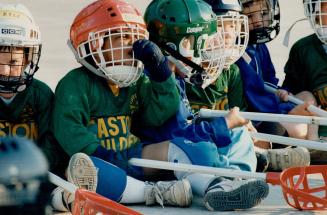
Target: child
<point>256,69</point>
<point>226,90</point>
<point>231,145</point>
<point>306,65</point>
<point>25,102</point>
<point>96,105</point>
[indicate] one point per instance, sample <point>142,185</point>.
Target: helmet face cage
<point>316,12</point>
<point>264,19</point>
<point>112,55</point>
<point>235,31</point>
<point>20,48</point>
<point>18,65</point>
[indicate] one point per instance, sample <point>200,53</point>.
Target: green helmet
<point>173,21</point>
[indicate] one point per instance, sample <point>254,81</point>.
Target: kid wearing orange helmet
<point>96,104</point>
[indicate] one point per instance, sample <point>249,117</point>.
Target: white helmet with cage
<point>316,12</point>
<point>18,31</point>
<point>234,27</point>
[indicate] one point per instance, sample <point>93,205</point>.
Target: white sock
<point>199,182</point>
<point>57,200</point>
<point>134,191</point>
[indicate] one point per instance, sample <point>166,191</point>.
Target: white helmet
<point>234,27</point>
<point>313,11</point>
<point>18,31</point>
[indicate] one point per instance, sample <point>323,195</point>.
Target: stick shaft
<point>56,180</point>
<point>311,108</point>
<point>195,169</point>
<point>269,117</point>
<point>290,141</point>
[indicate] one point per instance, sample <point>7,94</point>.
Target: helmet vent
<point>113,14</point>
<point>172,19</point>
<point>164,17</point>
<point>109,9</point>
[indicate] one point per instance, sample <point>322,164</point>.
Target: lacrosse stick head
<point>302,193</point>
<point>87,202</point>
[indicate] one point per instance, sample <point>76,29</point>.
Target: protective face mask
<point>123,75</point>
<point>231,56</point>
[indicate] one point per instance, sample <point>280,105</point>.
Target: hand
<point>302,109</point>
<point>155,63</point>
<point>234,119</point>
<point>282,94</point>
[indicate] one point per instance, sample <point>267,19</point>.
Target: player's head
<point>234,27</point>
<point>102,36</point>
<point>264,19</point>
<point>316,12</point>
<point>20,48</point>
<point>190,26</point>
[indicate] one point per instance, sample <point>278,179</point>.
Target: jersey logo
<point>113,132</point>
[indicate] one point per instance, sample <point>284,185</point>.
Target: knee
<point>307,96</point>
<point>201,153</point>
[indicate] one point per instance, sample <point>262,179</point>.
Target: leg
<point>219,193</point>
<point>241,147</point>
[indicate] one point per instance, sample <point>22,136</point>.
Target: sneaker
<point>280,159</point>
<point>82,172</point>
<point>175,193</point>
<point>61,200</point>
<point>228,195</point>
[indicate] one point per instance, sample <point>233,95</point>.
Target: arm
<point>293,74</point>
<point>71,116</point>
<point>158,94</point>
<point>236,97</point>
<point>268,69</point>
<point>44,100</point>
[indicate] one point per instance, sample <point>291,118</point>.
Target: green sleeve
<point>235,88</point>
<point>158,101</point>
<point>44,99</point>
<point>71,115</point>
<point>293,73</point>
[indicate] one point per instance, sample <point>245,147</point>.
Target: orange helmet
<point>100,21</point>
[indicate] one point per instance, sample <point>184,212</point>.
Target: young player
<point>306,65</point>
<point>256,68</point>
<point>231,145</point>
<point>96,105</point>
<point>226,91</point>
<point>25,102</point>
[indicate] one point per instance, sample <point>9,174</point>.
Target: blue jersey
<point>182,124</point>
<point>257,68</point>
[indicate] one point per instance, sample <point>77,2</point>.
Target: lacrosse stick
<point>268,117</point>
<point>311,108</point>
<point>297,190</point>
<point>91,203</point>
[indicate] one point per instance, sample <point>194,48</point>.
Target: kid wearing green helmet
<point>190,27</point>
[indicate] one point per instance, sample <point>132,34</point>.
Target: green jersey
<point>28,115</point>
<point>226,92</point>
<point>88,112</point>
<point>306,70</point>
